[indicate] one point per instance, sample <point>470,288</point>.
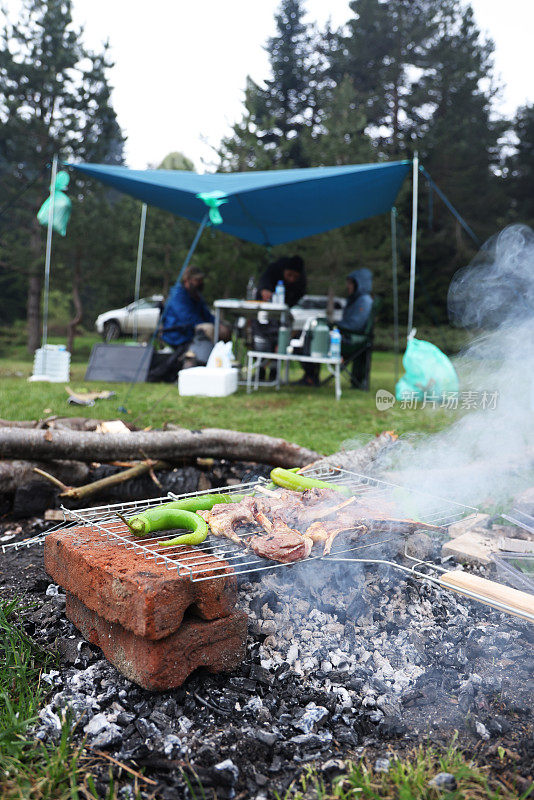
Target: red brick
<point>218,645</point>
<point>141,595</point>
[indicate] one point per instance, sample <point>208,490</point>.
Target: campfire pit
<point>127,594</point>
<point>338,657</point>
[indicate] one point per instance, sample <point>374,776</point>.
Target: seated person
<point>359,301</point>
<point>354,320</point>
<point>356,316</point>
<point>186,325</point>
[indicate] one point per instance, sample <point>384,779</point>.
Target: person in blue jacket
<point>185,309</point>
<point>187,326</point>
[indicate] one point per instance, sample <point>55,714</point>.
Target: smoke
<point>487,454</point>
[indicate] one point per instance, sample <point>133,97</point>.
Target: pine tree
<point>54,99</point>
<point>276,115</point>
<point>459,144</point>
<point>520,183</point>
<point>385,45</point>
<point>341,138</point>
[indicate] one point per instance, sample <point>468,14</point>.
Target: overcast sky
<point>181,65</point>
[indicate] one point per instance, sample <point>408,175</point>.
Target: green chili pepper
<point>299,483</point>
<point>271,486</point>
<point>166,519</point>
<point>168,516</point>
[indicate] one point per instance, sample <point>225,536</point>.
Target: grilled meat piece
<point>319,495</point>
<point>224,518</point>
<point>326,509</point>
<point>280,542</point>
<point>375,520</point>
<point>286,504</point>
<point>327,531</point>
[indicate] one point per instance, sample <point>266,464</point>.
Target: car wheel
<point>112,331</point>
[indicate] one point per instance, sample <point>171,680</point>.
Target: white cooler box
<point>207,382</point>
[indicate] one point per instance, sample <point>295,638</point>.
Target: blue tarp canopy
<point>271,207</point>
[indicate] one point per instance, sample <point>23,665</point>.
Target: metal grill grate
<point>103,521</point>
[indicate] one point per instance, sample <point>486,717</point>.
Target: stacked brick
<point>154,624</point>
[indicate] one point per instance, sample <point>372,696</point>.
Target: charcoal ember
<point>310,718</point>
<point>267,737</point>
<point>33,498</point>
<point>148,732</point>
<point>276,764</point>
<point>206,755</point>
<point>169,707</point>
<point>392,727</point>
<point>101,732</point>
<point>312,739</point>
<point>160,720</point>
<point>332,767</point>
<point>172,745</point>
<point>261,675</point>
<point>345,735</point>
<point>125,718</point>
<point>246,685</point>
<point>69,650</point>
<point>225,773</point>
<point>251,472</point>
<point>498,725</point>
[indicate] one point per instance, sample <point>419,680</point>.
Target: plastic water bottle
<point>251,288</point>
<point>335,343</point>
<point>279,297</point>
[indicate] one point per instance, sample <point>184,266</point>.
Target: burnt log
<point>361,459</point>
<point>169,445</point>
<point>15,473</point>
<point>71,423</point>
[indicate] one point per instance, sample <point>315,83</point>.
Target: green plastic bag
<point>428,372</point>
<point>62,206</point>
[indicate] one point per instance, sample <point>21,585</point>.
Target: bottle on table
<point>279,296</point>
<point>251,288</point>
<point>335,343</point>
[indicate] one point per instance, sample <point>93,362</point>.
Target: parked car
<point>312,306</point>
<point>121,321</point>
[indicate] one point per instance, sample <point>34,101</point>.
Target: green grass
<point>309,417</point>
<point>408,779</point>
<point>27,769</point>
<point>30,769</point>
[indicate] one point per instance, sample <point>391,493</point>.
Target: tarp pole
<point>138,267</point>
<point>395,290</point>
<point>48,258</point>
<point>415,174</point>
<point>194,244</point>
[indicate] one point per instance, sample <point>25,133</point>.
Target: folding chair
<point>357,351</point>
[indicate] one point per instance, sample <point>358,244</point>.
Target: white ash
<point>357,657</point>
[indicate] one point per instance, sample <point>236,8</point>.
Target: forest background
<point>400,76</point>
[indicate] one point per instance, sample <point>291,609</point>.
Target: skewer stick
<point>268,492</point>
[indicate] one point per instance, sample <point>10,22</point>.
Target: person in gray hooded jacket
<point>355,317</point>
<point>359,303</point>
